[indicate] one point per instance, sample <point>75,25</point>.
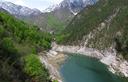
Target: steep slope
<point>55,19</point>
<point>18,10</point>
<point>2,10</point>
<point>66,10</point>
<point>51,21</point>
<point>75,6</point>
<point>19,42</point>
<point>60,15</point>
<point>100,26</point>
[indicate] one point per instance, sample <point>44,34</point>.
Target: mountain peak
<point>51,8</point>
<point>19,10</point>
<point>76,6</point>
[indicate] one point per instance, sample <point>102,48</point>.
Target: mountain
<point>60,15</point>
<point>3,10</point>
<point>45,21</point>
<point>18,10</point>
<point>101,26</point>
<point>19,44</point>
<point>75,6</point>
<point>54,18</point>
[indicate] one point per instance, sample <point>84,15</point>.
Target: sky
<point>39,4</point>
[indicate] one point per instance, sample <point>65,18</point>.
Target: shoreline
<point>53,61</point>
<point>116,64</point>
<point>56,56</point>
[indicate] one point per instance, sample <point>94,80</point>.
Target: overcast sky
<point>39,4</point>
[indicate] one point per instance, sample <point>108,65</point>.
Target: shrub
<point>34,68</point>
<point>8,45</point>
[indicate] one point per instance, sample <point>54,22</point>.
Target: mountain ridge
<point>101,26</point>
<point>19,10</point>
<point>46,21</point>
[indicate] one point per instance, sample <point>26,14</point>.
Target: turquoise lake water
<point>78,68</point>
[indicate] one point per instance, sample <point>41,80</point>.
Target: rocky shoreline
<point>53,61</point>
<point>117,65</point>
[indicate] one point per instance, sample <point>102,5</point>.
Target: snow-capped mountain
<point>61,13</point>
<point>76,6</point>
<point>18,10</point>
<point>51,8</point>
<point>1,9</point>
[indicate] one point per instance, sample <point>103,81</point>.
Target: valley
<point>59,55</point>
<point>54,20</point>
<point>72,41</point>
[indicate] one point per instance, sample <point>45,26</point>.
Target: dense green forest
<point>19,45</point>
<point>54,23</point>
<point>107,20</point>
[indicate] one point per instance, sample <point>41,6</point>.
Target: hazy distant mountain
<point>1,9</point>
<point>65,11</point>
<point>76,6</point>
<point>18,10</point>
<point>54,18</point>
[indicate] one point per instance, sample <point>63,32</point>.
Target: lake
<point>79,68</point>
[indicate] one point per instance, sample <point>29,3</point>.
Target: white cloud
<point>39,4</point>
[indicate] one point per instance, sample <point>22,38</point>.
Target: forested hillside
<point>100,26</point>
<point>19,45</point>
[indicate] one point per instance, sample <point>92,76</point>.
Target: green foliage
<point>23,32</point>
<point>55,23</point>
<point>114,33</point>
<point>32,65</point>
<point>55,20</point>
<point>17,40</point>
<point>1,32</point>
<point>7,45</point>
<point>24,49</point>
<point>34,68</point>
<point>90,18</point>
<point>8,50</point>
<point>55,81</point>
<point>60,38</point>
